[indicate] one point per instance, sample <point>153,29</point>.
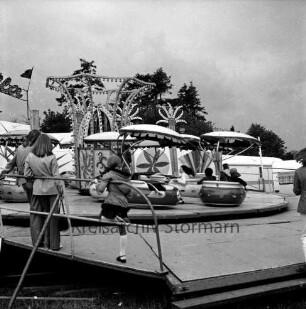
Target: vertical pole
<point>261,168</point>
<point>1,225</point>
<point>27,91</point>
<point>173,152</point>
<point>28,108</point>
<point>2,230</point>
<point>34,119</point>
<point>69,221</point>
<point>91,106</point>
<point>218,161</point>
<point>24,272</point>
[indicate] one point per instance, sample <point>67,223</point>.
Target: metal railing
<point>63,197</point>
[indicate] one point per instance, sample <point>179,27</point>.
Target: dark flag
<point>27,74</point>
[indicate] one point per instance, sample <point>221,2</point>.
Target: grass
<point>128,297</point>
<point>107,298</point>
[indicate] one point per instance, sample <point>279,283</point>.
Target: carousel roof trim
<point>228,137</point>
<point>153,132</point>
<point>110,136</point>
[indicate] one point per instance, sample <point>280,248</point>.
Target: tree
<point>87,67</point>
<point>149,100</point>
<point>232,129</point>
<point>56,122</point>
<point>290,155</point>
<point>162,84</point>
<point>271,144</point>
<point>188,97</point>
<point>198,127</point>
<point>194,113</point>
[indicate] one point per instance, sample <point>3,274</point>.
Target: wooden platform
<point>93,246</point>
<point>255,204</point>
<point>199,257</point>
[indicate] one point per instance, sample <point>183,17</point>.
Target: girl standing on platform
<point>19,161</point>
<point>42,162</point>
<point>115,207</point>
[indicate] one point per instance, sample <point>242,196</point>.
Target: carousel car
<point>157,193</point>
<point>191,188</point>
<point>10,191</point>
<point>222,193</point>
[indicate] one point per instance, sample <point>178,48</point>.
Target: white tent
<point>6,126</point>
<point>284,175</point>
<point>249,168</point>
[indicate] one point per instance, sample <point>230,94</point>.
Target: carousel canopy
<point>165,136</point>
<point>65,139</point>
<point>102,137</point>
<point>229,138</point>
<point>190,137</point>
<point>146,144</point>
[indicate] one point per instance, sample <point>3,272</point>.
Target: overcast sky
<point>246,58</point>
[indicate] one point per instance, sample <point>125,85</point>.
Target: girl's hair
<point>33,136</point>
<point>25,141</point>
<point>42,146</point>
<point>187,170</point>
<point>113,162</point>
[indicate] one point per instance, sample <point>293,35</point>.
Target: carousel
<point>152,184</point>
<point>225,193</point>
<point>103,112</point>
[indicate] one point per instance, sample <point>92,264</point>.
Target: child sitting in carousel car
<point>235,177</point>
<point>208,176</point>
<point>180,182</point>
<point>185,173</point>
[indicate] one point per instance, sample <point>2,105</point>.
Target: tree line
<point>187,97</point>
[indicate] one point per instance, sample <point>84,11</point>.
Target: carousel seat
<point>222,193</point>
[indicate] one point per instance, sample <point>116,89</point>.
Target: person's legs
<point>123,244</point>
<point>303,223</point>
<point>303,236</point>
<point>36,221</point>
<point>54,231</point>
<point>28,189</point>
<point>45,205</point>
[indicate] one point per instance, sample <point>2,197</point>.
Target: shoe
<point>59,248</point>
<point>123,220</point>
<point>121,259</point>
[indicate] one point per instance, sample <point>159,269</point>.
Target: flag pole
<point>27,91</point>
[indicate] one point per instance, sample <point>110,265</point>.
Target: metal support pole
<point>33,252</point>
<point>1,225</point>
<point>261,168</point>
<point>69,222</point>
<point>27,91</point>
<point>2,230</point>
